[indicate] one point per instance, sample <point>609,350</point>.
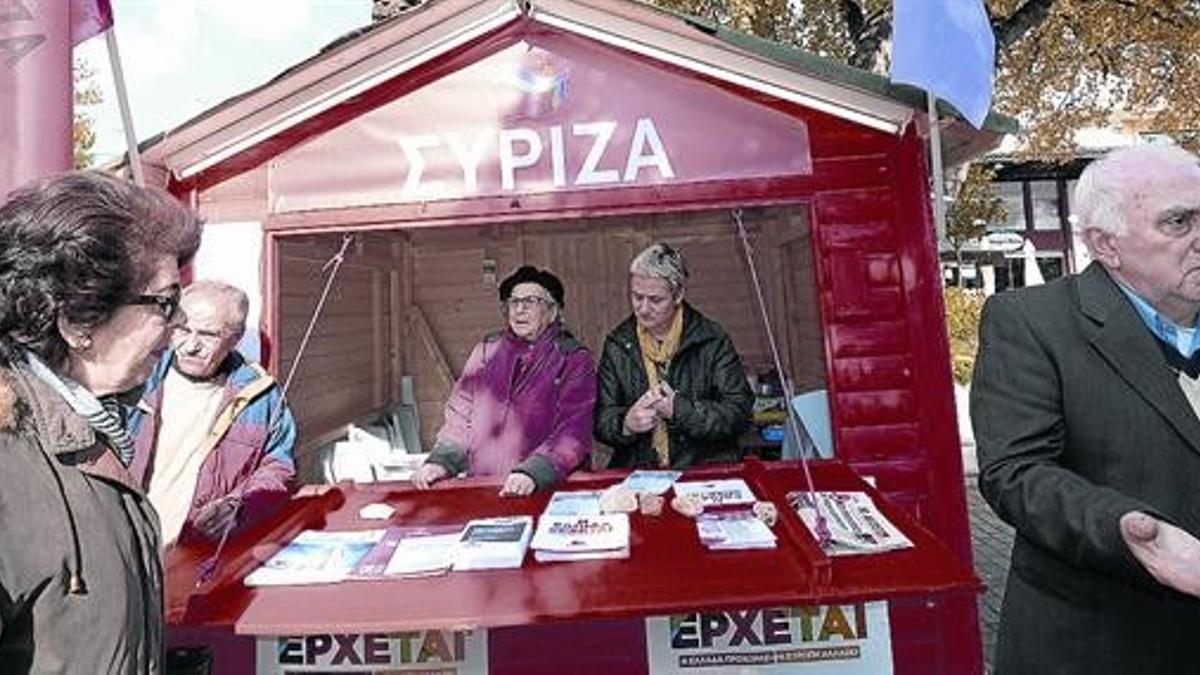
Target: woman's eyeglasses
<point>167,303</point>
<point>527,302</point>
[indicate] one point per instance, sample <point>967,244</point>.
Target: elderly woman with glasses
<point>89,293</point>
<point>523,405</point>
<point>672,389</point>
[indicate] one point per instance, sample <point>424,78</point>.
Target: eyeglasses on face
<point>527,302</point>
<point>167,303</point>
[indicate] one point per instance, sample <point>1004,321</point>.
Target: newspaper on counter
<point>410,551</point>
<point>315,557</point>
<point>855,524</point>
<point>733,531</point>
<point>654,482</point>
<point>574,503</point>
<point>581,537</point>
<point>723,492</point>
<point>493,543</point>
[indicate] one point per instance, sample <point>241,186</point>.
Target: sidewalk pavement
<point>991,542</point>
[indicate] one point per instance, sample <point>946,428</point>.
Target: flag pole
<point>935,152</point>
<point>114,59</point>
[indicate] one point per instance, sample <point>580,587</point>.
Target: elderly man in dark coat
<point>1085,403</point>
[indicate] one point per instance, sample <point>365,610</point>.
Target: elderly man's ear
<point>1102,245</point>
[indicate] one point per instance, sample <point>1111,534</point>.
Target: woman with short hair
<point>672,391</point>
<point>89,291</point>
<point>523,405</point>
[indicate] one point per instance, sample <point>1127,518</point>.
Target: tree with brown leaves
<point>1061,65</point>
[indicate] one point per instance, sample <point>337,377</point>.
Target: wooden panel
<point>347,368</point>
<point>350,368</point>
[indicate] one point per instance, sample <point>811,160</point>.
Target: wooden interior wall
<point>416,302</point>
<point>591,256</point>
<point>349,368</point>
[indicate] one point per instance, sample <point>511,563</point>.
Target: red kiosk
<point>467,137</point>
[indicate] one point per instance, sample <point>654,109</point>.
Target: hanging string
<point>822,527</point>
<point>206,568</point>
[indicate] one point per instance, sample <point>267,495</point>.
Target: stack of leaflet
<point>576,503</point>
<point>653,482</point>
<point>717,493</point>
<point>855,524</point>
<point>733,531</point>
<point>581,537</point>
<point>493,543</point>
<point>415,551</point>
<point>315,557</point>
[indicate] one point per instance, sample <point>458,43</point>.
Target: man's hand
<point>665,405</point>
<point>1169,554</point>
<point>517,485</point>
<point>428,474</point>
<point>216,517</point>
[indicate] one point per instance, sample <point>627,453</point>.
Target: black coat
<point>712,397</point>
<point>1078,420</point>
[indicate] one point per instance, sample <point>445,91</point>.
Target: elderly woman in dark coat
<point>89,290</point>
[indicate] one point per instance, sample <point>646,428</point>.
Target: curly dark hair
<point>80,245</point>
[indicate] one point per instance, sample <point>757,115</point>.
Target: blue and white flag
<point>947,48</point>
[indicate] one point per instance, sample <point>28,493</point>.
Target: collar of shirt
<point>1182,339</point>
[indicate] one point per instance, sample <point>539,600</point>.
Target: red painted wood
<point>879,290</point>
<point>668,572</point>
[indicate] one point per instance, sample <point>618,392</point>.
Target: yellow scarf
<point>655,358</point>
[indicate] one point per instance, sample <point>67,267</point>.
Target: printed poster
<point>416,652</point>
<point>822,640</point>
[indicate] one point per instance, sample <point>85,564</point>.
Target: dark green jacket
<point>712,397</point>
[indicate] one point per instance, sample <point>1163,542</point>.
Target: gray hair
<point>1105,186</point>
<point>225,295</point>
<point>660,261</point>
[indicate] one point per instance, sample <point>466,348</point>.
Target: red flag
<point>35,90</point>
<point>88,18</point>
<point>36,106</point>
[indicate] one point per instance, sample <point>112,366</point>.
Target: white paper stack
<point>855,525</point>
<point>493,543</point>
<point>733,531</point>
<point>654,482</point>
<point>724,492</point>
<point>413,551</point>
<point>576,503</point>
<point>581,537</point>
<point>315,557</point>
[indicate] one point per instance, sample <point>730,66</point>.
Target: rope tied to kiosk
<point>822,527</point>
<point>208,567</point>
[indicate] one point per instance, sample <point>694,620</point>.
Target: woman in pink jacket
<point>523,405</point>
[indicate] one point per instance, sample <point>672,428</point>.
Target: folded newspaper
<point>581,537</point>
<point>733,531</point>
<point>721,492</point>
<point>855,525</point>
<point>315,557</point>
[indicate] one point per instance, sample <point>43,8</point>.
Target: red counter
<point>545,615</point>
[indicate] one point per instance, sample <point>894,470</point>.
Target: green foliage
<point>962,323</point>
<point>975,207</point>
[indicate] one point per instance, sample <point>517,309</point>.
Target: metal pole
<point>935,152</point>
<point>114,59</point>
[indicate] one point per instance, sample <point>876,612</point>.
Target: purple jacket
<point>520,406</point>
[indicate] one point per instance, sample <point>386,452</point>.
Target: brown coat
<point>71,519</point>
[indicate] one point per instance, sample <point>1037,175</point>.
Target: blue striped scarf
<point>102,414</point>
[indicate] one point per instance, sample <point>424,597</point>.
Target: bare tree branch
<point>1027,18</point>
